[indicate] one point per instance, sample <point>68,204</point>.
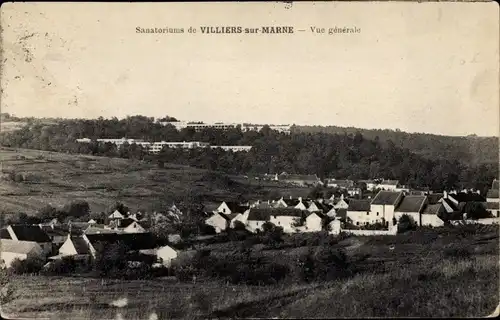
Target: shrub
<point>63,266</point>
<point>406,223</point>
<point>324,263</point>
<point>32,265</point>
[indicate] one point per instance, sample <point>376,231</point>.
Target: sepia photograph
<point>249,160</point>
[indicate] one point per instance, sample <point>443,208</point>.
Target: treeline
<point>470,149</point>
<point>341,156</point>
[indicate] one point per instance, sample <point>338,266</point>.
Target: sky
<point>417,67</point>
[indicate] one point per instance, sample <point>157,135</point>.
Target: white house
<point>14,249</point>
<point>388,185</point>
<point>314,222</point>
<point>412,206</point>
<point>134,227</point>
<point>220,221</point>
<point>28,233</point>
<point>430,215</point>
<point>230,207</point>
<point>241,217</point>
<point>257,218</point>
<point>116,215</point>
<point>75,246</point>
<point>359,212</point>
<point>342,203</point>
<point>285,218</point>
<point>165,254</point>
<point>384,204</point>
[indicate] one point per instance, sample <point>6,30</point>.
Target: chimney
<point>445,194</point>
<point>478,192</point>
<point>300,199</point>
<point>290,197</point>
<point>268,201</point>
<point>342,196</point>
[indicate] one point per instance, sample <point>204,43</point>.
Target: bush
<point>323,264</point>
<point>31,265</point>
<point>63,266</point>
<point>406,223</point>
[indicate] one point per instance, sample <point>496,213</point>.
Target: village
<point>348,213</point>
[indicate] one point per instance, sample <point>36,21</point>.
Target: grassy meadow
<point>58,178</point>
<point>423,273</point>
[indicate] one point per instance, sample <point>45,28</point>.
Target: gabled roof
<point>135,241</point>
<point>80,245</point>
<point>434,198</point>
<point>116,215</point>
<point>30,233</point>
<point>265,214</point>
<point>126,222</point>
<point>359,205</point>
<point>4,234</point>
<point>386,198</point>
<point>492,193</point>
<point>411,204</point>
<point>324,207</point>
<point>291,202</point>
<point>55,232</point>
<point>433,209</point>
<point>228,217</point>
<point>467,197</point>
<point>235,207</point>
<point>22,247</point>
<point>341,213</point>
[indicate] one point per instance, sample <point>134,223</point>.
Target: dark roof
<point>228,217</point>
<point>359,205</point>
<point>265,214</point>
<point>55,232</point>
<point>342,213</point>
<point>433,208</point>
<point>467,197</point>
<point>235,207</point>
<point>386,198</point>
<point>450,203</point>
<point>291,202</point>
<point>135,241</point>
<point>492,193</point>
<point>434,198</point>
<point>4,234</point>
<point>492,205</point>
<point>324,207</point>
<point>390,182</point>
<point>30,233</point>
<point>341,183</point>
<point>411,204</point>
<point>81,246</point>
<point>126,222</point>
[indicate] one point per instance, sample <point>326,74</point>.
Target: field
<point>6,126</point>
<point>58,178</point>
<point>425,273</point>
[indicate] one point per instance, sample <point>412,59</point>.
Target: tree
<point>78,209</point>
<point>111,259</point>
<point>406,223</point>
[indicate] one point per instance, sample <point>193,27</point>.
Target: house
<point>74,246</point>
<point>231,207</point>
<point>281,217</point>
<point>493,208</point>
<point>384,204</point>
<point>241,217</point>
<point>57,235</point>
<point>163,254</point>
<point>133,241</point>
<point>303,180</point>
<point>342,184</point>
<point>492,196</point>
<point>286,218</point>
<point>220,221</point>
<point>359,212</point>
<point>314,222</point>
<point>431,215</point>
<point>95,229</point>
<point>412,206</point>
<point>389,185</point>
<point>354,192</point>
<point>458,205</point>
<point>341,203</point>
<point>116,215</point>
<point>15,249</point>
<point>370,184</point>
<point>30,234</point>
<point>256,218</point>
<point>133,227</point>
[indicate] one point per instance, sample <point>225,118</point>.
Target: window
<point>357,223</point>
<point>367,213</point>
<point>377,213</point>
<point>224,210</point>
